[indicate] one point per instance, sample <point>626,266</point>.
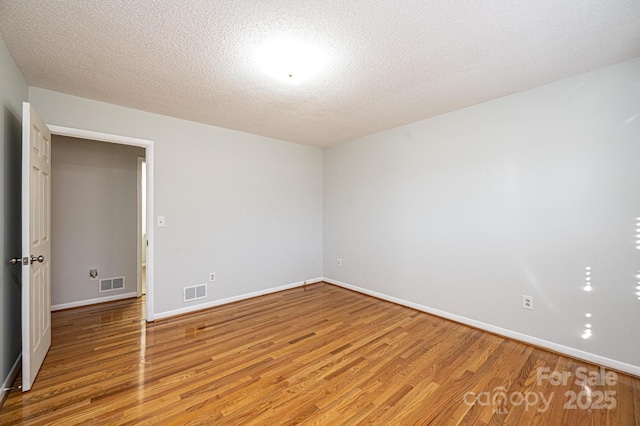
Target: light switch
<point>160,222</point>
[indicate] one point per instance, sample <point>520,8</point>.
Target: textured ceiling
<point>390,62</point>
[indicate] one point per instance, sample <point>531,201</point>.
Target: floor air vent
<point>112,284</point>
<point>195,292</point>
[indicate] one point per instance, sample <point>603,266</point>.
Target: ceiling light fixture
<point>290,60</point>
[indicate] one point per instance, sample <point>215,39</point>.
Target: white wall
<point>468,211</point>
<point>13,91</point>
<point>246,207</point>
<point>93,217</point>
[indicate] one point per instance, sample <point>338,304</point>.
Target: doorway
<point>93,222</point>
<point>148,195</point>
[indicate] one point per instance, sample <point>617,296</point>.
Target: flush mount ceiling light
<point>290,60</point>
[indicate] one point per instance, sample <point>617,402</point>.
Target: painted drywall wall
<point>469,211</point>
<point>13,91</point>
<point>246,207</point>
<point>93,217</point>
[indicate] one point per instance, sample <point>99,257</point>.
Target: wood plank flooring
<point>319,355</point>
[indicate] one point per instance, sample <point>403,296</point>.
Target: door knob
<point>15,261</point>
<point>37,259</point>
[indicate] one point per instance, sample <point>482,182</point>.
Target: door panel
<point>36,244</point>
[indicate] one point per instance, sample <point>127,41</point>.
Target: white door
<point>36,244</point>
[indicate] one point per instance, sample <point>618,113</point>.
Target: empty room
<point>302,212</point>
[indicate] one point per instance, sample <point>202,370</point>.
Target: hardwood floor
<point>317,355</point>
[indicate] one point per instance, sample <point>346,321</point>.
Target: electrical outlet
<point>212,277</point>
<point>527,302</point>
<point>339,262</point>
<point>93,273</point>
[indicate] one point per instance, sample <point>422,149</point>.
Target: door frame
<point>148,145</point>
<point>139,203</point>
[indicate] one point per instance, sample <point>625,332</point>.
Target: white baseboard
<point>93,301</point>
<point>9,380</point>
<point>214,303</point>
<point>555,347</point>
